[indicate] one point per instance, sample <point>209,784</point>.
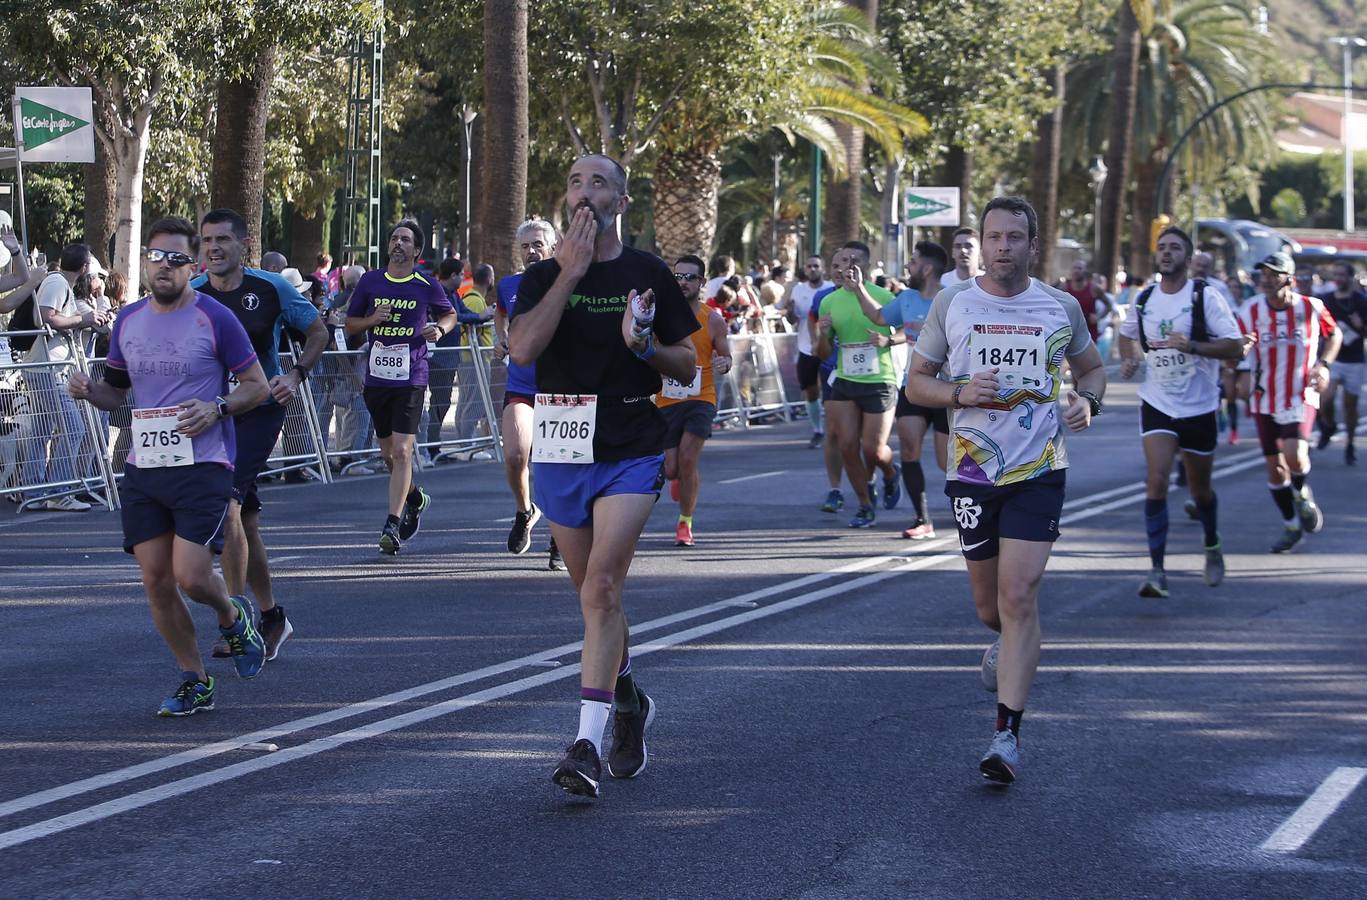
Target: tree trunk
<point>130,156</point>
<point>844,199</point>
<point>306,238</point>
<point>1145,211</point>
<point>1120,144</point>
<point>687,183</point>
<point>958,172</point>
<point>101,184</point>
<point>1044,174</point>
<point>503,194</point>
<point>240,146</point>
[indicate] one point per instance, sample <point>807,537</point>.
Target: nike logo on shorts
<point>968,547</point>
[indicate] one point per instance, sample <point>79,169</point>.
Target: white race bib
<point>1293,416</point>
<point>677,390</point>
<point>233,383</point>
<point>562,428</point>
<point>1171,369</point>
<point>390,363</point>
<point>1017,352</point>
<point>858,359</point>
<point>156,442</point>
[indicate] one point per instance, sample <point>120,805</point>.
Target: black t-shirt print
<point>587,355</point>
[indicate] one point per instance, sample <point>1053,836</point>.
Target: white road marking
<point>753,477</point>
<point>289,754</point>
<point>1316,809</point>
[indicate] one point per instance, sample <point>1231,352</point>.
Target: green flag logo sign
<point>917,206</point>
<point>42,124</point>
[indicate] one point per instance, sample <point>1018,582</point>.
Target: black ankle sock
<point>914,477</point>
<point>1156,524</point>
<point>274,614</point>
<point>1208,521</point>
<point>1285,501</point>
<point>1298,481</point>
<point>414,495</point>
<point>1009,719</point>
<point>391,520</point>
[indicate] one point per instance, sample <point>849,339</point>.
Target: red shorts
<point>1270,431</point>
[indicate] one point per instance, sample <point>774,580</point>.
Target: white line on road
<point>753,477</point>
<point>177,788</point>
<point>1316,809</point>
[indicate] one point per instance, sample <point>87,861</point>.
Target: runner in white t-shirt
<point>795,308</point>
<point>1180,397</point>
<point>966,252</point>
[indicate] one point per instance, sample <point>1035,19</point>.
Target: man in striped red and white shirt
<point>1294,338</point>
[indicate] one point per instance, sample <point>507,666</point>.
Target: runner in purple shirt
<point>175,350</point>
<point>392,306</point>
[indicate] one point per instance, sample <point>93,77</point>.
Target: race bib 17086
<point>389,362</point>
<point>858,359</point>
<point>1017,352</point>
<point>562,428</point>
<point>677,390</point>
<point>156,442</point>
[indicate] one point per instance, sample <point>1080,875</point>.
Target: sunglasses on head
<point>170,257</point>
<point>686,276</point>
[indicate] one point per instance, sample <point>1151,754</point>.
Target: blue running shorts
<point>566,491</point>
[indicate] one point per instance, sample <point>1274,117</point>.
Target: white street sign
<point>55,124</point>
<point>932,206</point>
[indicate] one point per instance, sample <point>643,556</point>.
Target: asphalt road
<point>820,715</point>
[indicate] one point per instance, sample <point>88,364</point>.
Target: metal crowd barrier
<point>51,446</point>
<point>762,379</point>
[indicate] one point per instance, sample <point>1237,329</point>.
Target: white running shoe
<point>66,504</point>
<point>1003,758</point>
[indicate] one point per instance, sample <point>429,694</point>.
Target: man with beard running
<point>690,408</point>
<point>536,240</point>
<point>1348,305</point>
<point>1294,340</point>
<point>1180,329</point>
<point>392,305</point>
<point>908,312</point>
<point>1003,337</point>
<point>795,308</point>
<point>603,322</point>
<point>264,302</point>
<point>176,351</point>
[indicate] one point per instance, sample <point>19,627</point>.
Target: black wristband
<point>303,373</point>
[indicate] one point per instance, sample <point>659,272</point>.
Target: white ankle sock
<point>593,719</point>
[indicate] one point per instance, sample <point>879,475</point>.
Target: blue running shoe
<point>892,488</point>
<point>835,501</point>
<point>248,649</point>
<point>192,696</point>
<point>864,518</point>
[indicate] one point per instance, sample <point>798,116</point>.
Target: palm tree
<point>843,55</point>
<point>1124,59</point>
<point>1195,53</point>
<point>503,194</point>
<point>238,173</point>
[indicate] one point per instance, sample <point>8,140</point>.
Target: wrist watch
<point>222,406</point>
<point>303,373</point>
<point>1093,400</point>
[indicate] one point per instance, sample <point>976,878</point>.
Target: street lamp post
<point>1097,172</point>
<point>468,114</point>
<point>1348,43</point>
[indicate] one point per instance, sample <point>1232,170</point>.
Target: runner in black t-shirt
<point>1348,304</point>
<point>602,322</point>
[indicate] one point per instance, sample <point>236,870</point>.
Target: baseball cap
<point>1278,262</point>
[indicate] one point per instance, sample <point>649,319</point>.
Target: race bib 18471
<point>1017,352</point>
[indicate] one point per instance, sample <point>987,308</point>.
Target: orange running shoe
<point>683,535</point>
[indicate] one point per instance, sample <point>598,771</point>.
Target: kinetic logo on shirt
<point>599,304</point>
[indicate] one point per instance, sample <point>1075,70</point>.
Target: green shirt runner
<point>852,329</point>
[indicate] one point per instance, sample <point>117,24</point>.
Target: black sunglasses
<point>170,257</point>
<point>684,276</point>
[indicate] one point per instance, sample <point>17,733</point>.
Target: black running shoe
<point>628,756</point>
<point>520,537</point>
<point>411,519</point>
<point>390,542</point>
<point>580,771</point>
<point>555,563</point>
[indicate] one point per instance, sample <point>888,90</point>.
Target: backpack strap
<point>1199,331</point>
<point>1144,296</point>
